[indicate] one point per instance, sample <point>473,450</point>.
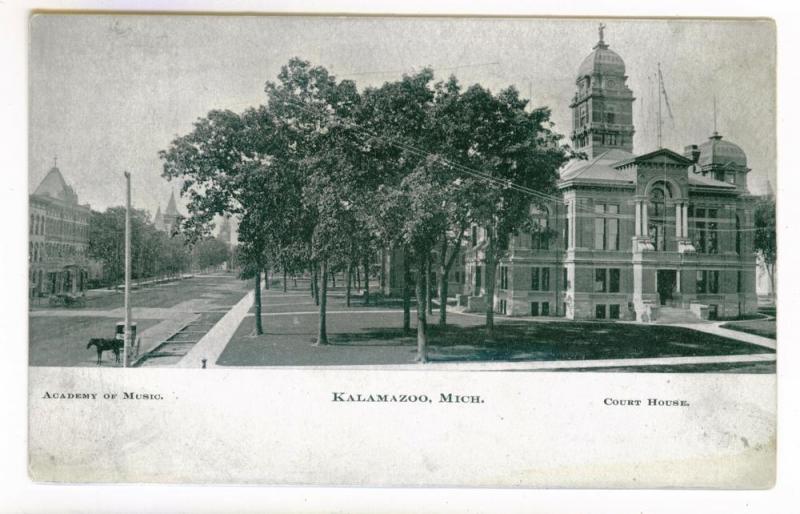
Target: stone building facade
<point>58,239</point>
<point>636,237</point>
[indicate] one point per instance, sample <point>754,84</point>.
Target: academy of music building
<point>656,236</point>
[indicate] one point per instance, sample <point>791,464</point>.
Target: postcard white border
<point>34,497</point>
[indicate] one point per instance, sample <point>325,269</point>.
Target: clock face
<point>611,83</point>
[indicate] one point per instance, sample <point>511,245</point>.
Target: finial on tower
<point>55,161</point>
<point>600,30</point>
<point>715,135</point>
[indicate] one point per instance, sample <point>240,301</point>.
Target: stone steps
<point>675,315</point>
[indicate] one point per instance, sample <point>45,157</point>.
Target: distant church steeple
<point>171,216</point>
<point>602,108</point>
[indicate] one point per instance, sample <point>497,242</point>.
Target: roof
<point>708,181</point>
<point>599,168</point>
<point>54,186</point>
<point>719,152</point>
<point>602,61</point>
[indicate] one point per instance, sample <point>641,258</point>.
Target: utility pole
<point>127,337</point>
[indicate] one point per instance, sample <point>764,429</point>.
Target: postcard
<point>402,251</point>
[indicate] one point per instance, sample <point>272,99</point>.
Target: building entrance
<point>666,282</point>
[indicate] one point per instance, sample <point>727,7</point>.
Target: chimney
<point>691,152</point>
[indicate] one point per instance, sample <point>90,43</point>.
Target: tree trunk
<point>259,327</point>
<point>266,279</point>
<point>285,285</point>
<point>333,280</point>
<point>358,278</point>
<point>311,283</point>
<point>294,281</point>
<point>442,300</point>
<point>366,281</point>
<point>322,335</point>
<point>445,265</point>
<point>491,268</point>
<point>382,283</point>
<point>316,285</point>
<point>422,328</point>
<point>428,288</point>
<point>406,294</point>
<point>349,280</point>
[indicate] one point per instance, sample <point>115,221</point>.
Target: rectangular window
<point>613,311</point>
<point>566,234</point>
<point>565,279</point>
<point>613,280</point>
<point>739,282</point>
<point>606,229</point>
<point>599,233</point>
<point>501,307</point>
<point>534,308</point>
<point>600,311</point>
<point>713,282</point>
<point>503,277</point>
<point>612,234</point>
<point>705,237</point>
<point>701,284</point>
<point>600,280</point>
<point>540,279</point>
<point>708,281</point>
<point>478,277</point>
<point>474,236</point>
<point>545,308</point>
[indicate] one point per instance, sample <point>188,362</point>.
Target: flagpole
<point>127,336</point>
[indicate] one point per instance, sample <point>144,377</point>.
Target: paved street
<point>58,336</point>
<point>362,335</point>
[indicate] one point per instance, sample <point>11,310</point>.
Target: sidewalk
<point>211,346</point>
<point>716,329</point>
<point>546,365</point>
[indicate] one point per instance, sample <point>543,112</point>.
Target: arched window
<point>657,202</point>
<point>657,213</point>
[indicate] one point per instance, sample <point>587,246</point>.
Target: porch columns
<point>679,220</point>
<point>572,226</point>
<point>637,227</point>
<point>685,220</point>
<point>645,231</point>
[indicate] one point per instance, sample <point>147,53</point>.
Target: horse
<point>115,345</point>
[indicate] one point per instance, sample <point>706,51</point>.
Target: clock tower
<point>602,108</point>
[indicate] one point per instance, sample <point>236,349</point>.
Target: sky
<point>107,92</point>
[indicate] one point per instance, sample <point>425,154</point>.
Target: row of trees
<point>323,176</point>
<point>154,253</point>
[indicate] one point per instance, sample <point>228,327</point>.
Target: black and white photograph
<point>563,199</point>
<point>246,229</point>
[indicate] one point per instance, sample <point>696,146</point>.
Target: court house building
<point>656,236</point>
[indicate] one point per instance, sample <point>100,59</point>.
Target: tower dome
<point>715,151</point>
<point>602,61</point>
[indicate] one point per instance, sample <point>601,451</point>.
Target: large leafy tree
<point>224,163</point>
<point>409,199</point>
<point>765,242</point>
<point>153,253</point>
<point>310,106</point>
<point>512,152</point>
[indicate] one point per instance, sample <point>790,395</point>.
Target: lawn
<point>375,338</point>
<point>759,327</point>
